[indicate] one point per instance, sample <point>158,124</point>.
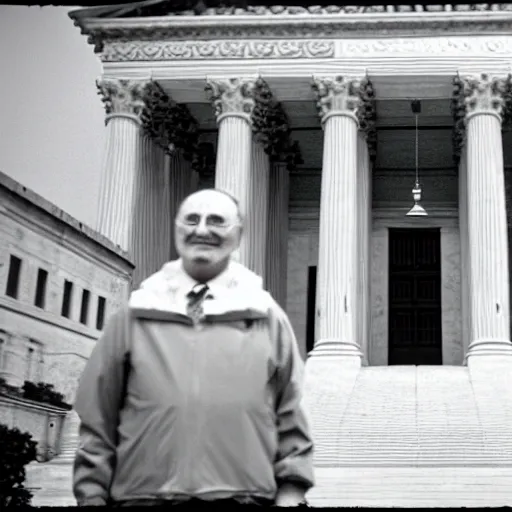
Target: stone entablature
<point>157,24</point>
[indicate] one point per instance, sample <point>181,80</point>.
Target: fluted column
<point>278,220</point>
<point>338,101</point>
<point>181,184</point>
<point>464,245</point>
<point>233,101</point>
<point>149,217</point>
<point>255,227</point>
<point>166,212</point>
<point>487,221</point>
<point>364,218</point>
<point>124,105</point>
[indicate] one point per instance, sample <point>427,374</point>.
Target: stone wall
<point>37,342</point>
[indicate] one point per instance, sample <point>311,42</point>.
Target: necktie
<point>195,301</point>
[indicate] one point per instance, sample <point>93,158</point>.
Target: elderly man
<point>192,394</point>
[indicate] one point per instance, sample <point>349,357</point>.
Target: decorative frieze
<point>231,97</point>
<point>404,47</point>
<point>135,51</point>
<point>122,97</point>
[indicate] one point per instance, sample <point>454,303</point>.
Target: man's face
<point>207,229</point>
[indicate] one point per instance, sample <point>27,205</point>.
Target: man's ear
<point>240,234</point>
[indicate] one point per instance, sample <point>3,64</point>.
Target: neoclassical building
<point>322,119</point>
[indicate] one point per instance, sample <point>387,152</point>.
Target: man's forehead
<point>209,202</point>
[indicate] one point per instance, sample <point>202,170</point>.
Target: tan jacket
<point>211,411</point>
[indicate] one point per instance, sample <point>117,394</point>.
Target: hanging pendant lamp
<point>417,210</point>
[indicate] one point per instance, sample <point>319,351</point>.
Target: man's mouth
<point>204,243</point>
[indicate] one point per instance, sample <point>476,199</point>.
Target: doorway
<point>415,328</point>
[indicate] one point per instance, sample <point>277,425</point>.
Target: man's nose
<point>202,227</point>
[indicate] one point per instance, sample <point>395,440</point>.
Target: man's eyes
<point>213,220</point>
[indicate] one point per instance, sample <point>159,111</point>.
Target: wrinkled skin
<point>208,231</point>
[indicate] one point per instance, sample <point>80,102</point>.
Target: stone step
<point>409,416</point>
<point>412,487</point>
<point>354,487</point>
<point>51,484</point>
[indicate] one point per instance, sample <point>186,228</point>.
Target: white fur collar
<point>236,289</point>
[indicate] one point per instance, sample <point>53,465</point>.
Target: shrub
<point>43,392</point>
<point>17,451</point>
<point>40,392</point>
<point>8,389</point>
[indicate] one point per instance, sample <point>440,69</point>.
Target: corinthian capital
<point>232,96</point>
<point>122,97</point>
<point>337,95</point>
<point>484,94</point>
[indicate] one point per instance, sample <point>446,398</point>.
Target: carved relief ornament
<point>231,96</point>
<point>349,96</point>
<point>484,94</point>
<point>133,51</point>
<point>478,94</point>
<point>232,8</point>
<point>170,124</point>
<point>337,95</point>
<point>271,127</point>
<point>122,97</point>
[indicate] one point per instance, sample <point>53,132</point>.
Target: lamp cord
<point>417,177</point>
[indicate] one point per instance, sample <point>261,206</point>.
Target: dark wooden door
<point>311,315</point>
<point>415,335</point>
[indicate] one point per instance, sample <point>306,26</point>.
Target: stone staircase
<point>384,437</point>
<point>412,487</point>
<point>51,482</point>
<point>410,436</point>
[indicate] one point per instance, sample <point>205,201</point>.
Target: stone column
<point>364,221</point>
<point>180,186</point>
<point>278,220</point>
<point>233,100</point>
<point>487,220</point>
<point>124,105</point>
<point>148,217</point>
<point>255,225</point>
<point>338,101</point>
<point>464,253</point>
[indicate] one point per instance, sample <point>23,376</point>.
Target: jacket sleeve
<point>97,403</point>
<point>294,462</point>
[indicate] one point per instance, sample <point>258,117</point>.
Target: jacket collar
<point>235,289</point>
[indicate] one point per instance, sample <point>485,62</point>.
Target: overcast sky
<point>52,119</point>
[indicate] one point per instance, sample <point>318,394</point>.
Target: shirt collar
<point>216,285</point>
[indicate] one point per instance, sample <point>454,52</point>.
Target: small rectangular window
<point>13,278</point>
<point>84,311</point>
<point>66,299</point>
<point>100,318</point>
<point>42,279</point>
<point>34,361</point>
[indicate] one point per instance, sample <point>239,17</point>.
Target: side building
<point>59,282</point>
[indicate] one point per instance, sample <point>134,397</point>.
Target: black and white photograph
<point>256,254</point>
